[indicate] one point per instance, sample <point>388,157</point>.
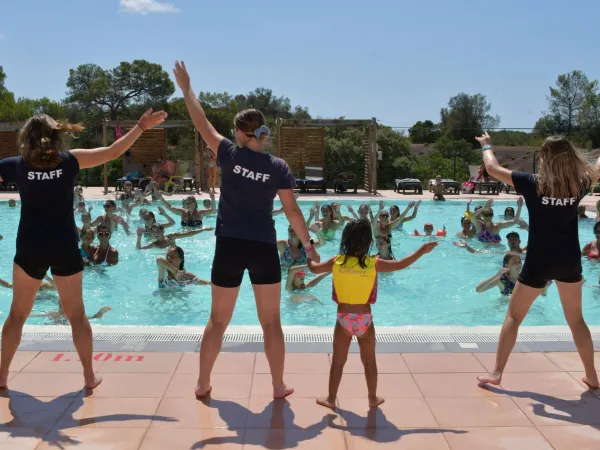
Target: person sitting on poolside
<point>489,231</point>
<point>581,213</point>
<point>296,279</point>
<point>592,249</point>
<point>166,240</point>
<point>395,214</point>
<point>105,254</point>
<point>47,285</point>
<point>384,248</point>
<point>191,216</point>
<point>12,203</point>
<point>438,189</point>
<point>428,231</point>
<point>110,219</point>
<point>150,226</point>
<point>86,248</point>
<point>291,252</point>
<point>171,272</point>
<point>507,276</point>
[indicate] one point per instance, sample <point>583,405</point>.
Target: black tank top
<point>47,217</point>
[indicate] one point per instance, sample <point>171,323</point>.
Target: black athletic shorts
<point>233,256</point>
<point>62,262</point>
<point>538,274</point>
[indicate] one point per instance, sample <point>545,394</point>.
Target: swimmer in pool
<point>581,215</point>
<point>395,214</point>
<point>592,249</point>
<point>296,279</point>
<point>128,203</point>
<point>509,213</point>
<point>428,231</point>
<point>291,252</point>
<point>489,231</point>
<point>384,248</point>
<point>86,248</point>
<point>171,272</point>
<point>327,224</point>
<point>337,214</point>
<point>150,225</point>
<point>166,240</point>
<point>384,225</point>
<point>507,277</point>
<point>78,195</point>
<point>191,216</point>
<point>12,203</point>
<point>47,285</point>
<point>468,231</point>
<point>110,219</point>
<point>59,317</point>
<point>105,254</point>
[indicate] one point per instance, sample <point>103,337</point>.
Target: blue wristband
<point>486,147</point>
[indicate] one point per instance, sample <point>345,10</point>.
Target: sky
<point>397,60</point>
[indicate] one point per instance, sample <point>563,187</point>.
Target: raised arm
<point>351,210</point>
<point>213,206</point>
<point>316,280</point>
<point>320,267</point>
<point>204,127</point>
<point>276,212</point>
<point>138,243</point>
<point>173,209</point>
<point>491,282</point>
<point>394,265</point>
<point>491,163</point>
<point>296,218</point>
<point>170,221</point>
<point>320,236</point>
<point>190,233</point>
<point>515,220</point>
<point>95,157</point>
<point>163,267</point>
<point>291,274</point>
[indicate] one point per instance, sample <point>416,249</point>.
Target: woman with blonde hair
<point>46,177</point>
<point>552,198</point>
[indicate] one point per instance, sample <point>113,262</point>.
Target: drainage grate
<point>307,337</point>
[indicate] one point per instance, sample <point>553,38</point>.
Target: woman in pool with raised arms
<point>46,176</point>
<point>246,239</point>
<point>552,197</point>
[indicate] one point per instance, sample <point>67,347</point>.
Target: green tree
<point>466,116</point>
<point>113,91</point>
<point>425,132</point>
<point>567,99</point>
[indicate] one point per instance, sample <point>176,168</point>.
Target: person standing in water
<point>552,197</point>
<point>46,177</point>
<point>246,239</point>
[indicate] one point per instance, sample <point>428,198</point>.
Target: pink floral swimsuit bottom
<point>356,324</point>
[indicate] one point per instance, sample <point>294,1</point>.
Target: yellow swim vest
<point>352,284</point>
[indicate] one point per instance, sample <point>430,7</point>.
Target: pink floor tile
<point>570,361</point>
<point>477,412</point>
<point>388,386</point>
<point>223,386</point>
<point>520,362</point>
<point>50,362</point>
<point>93,412</point>
<point>94,438</point>
<point>46,384</point>
<point>204,438</point>
<point>138,362</point>
<point>396,439</point>
<point>290,413</point>
<point>500,438</point>
<point>21,359</point>
<point>572,437</point>
<point>561,410</point>
<point>132,385</point>
<point>386,363</point>
<point>453,385</point>
<point>309,385</point>
<point>309,439</point>
<point>548,383</point>
<point>394,413</point>
<point>296,363</point>
<point>21,438</point>
<point>442,363</point>
<point>31,411</point>
<point>209,413</point>
<point>227,362</point>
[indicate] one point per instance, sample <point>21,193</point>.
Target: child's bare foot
<point>326,402</point>
<point>591,382</point>
<point>93,382</point>
<point>493,378</point>
<point>374,402</point>
<point>202,391</point>
<point>283,392</point>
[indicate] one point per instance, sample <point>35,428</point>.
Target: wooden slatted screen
<point>368,159</point>
<point>8,143</point>
<point>147,150</point>
<point>302,147</point>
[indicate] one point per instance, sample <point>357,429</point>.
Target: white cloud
<point>146,7</point>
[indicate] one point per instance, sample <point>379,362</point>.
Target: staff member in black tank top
<point>46,176</point>
<point>246,240</point>
<point>553,253</point>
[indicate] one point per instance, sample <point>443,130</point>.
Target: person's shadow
<point>277,414</point>
<point>569,408</point>
<point>32,417</point>
<point>377,428</point>
<point>281,430</point>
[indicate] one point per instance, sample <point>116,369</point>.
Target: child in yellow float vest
<point>355,290</point>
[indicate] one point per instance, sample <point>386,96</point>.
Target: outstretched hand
<point>181,76</point>
<point>151,118</point>
<point>426,248</point>
<point>484,139</point>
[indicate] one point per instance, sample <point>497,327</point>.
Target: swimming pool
<point>439,289</point>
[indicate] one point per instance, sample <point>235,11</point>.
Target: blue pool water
<point>437,290</point>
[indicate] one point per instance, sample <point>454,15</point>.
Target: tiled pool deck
<point>146,401</point>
